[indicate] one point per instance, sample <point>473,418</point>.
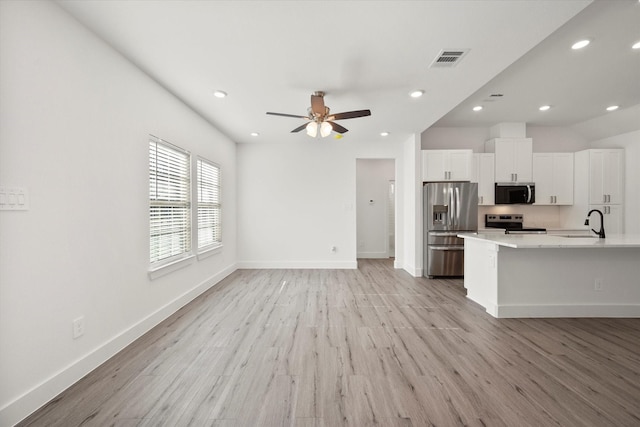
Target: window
<point>169,201</point>
<point>209,208</point>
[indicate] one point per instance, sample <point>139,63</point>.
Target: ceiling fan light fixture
<point>325,129</point>
<point>312,129</point>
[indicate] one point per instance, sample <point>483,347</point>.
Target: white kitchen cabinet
<point>605,176</point>
<point>446,165</point>
<point>482,172</point>
<point>553,176</point>
<point>613,218</point>
<point>598,184</point>
<point>513,159</point>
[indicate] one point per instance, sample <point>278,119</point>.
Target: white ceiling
<point>271,55</point>
<point>577,84</point>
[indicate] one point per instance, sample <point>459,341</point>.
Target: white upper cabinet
<point>606,172</point>
<point>446,165</point>
<point>482,170</point>
<point>513,159</point>
<point>553,176</point>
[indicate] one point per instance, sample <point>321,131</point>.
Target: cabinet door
<point>505,153</point>
<point>613,219</point>
<point>606,171</point>
<point>543,178</point>
<point>458,163</point>
<point>613,172</point>
<point>562,178</point>
<point>513,159</point>
<point>474,176</point>
<point>522,152</point>
<point>596,177</point>
<point>433,162</point>
<point>486,187</point>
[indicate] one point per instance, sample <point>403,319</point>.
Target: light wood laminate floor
<point>372,346</point>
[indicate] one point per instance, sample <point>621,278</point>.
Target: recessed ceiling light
<point>544,107</point>
<point>255,134</point>
<point>636,45</point>
<point>580,44</point>
<point>219,94</point>
<point>384,133</point>
<point>416,93</point>
<point>477,108</point>
<point>613,108</point>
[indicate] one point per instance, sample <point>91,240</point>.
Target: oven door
<point>445,260</point>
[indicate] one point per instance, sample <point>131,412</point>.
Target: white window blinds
<point>209,204</point>
<point>169,201</point>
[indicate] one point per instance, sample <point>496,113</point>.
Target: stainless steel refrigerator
<point>450,208</point>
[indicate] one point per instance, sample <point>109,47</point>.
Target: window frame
<point>217,241</point>
<point>184,182</point>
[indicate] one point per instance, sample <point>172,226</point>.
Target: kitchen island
<point>539,275</point>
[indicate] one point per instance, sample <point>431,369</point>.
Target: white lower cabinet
<point>613,218</point>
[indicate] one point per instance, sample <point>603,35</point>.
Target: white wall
<point>372,207</point>
<point>546,139</point>
<point>75,120</point>
<point>455,138</point>
<point>411,245</point>
<point>631,144</point>
<point>297,199</point>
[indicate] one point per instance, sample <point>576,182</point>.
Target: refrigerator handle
<point>452,208</point>
<point>457,189</point>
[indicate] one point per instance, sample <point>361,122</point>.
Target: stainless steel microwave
<point>515,193</point>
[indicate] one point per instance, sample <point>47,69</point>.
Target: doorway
<point>375,208</point>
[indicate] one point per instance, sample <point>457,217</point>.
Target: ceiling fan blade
<point>299,128</point>
<point>317,104</point>
<point>337,128</point>
<point>288,115</point>
<point>350,115</point>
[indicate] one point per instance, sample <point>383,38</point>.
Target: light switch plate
<point>14,199</point>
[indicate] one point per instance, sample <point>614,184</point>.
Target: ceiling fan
<point>319,117</point>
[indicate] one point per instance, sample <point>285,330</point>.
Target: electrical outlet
<point>597,284</point>
<point>78,327</point>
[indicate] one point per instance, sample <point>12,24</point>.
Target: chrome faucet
<point>586,222</point>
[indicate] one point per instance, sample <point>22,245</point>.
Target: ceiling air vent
<point>449,57</point>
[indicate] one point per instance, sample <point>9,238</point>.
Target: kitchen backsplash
<point>534,216</point>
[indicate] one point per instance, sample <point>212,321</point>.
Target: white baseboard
<point>32,400</point>
<point>412,270</point>
<point>566,310</point>
<point>372,255</point>
<point>340,265</point>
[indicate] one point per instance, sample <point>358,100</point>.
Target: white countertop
<point>529,241</point>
